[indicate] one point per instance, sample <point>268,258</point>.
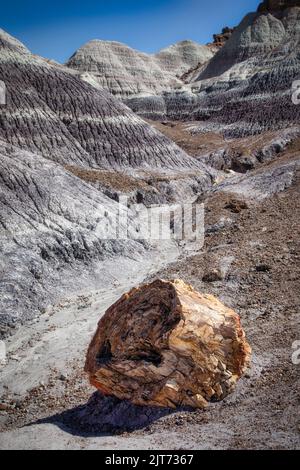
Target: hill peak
<point>8,41</point>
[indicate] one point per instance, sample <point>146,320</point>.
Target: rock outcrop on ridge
<point>165,344</point>
<point>275,5</point>
<point>221,38</point>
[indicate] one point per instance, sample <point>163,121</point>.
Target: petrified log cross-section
<point>165,344</point>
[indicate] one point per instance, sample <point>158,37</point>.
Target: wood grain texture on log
<point>165,344</point>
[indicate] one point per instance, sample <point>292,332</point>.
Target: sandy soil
<point>192,144</point>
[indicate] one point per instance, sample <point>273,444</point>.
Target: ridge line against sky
<point>56,29</point>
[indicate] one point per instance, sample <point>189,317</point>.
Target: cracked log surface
<point>164,344</point>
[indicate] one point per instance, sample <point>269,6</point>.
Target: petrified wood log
<point>166,344</point>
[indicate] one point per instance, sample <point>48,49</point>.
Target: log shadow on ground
<point>103,415</point>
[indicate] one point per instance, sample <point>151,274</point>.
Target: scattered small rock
<point>262,268</point>
<point>4,407</point>
<point>18,404</point>
<point>236,206</point>
<point>213,276</point>
<point>15,358</point>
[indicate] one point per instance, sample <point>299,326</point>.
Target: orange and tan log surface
<point>165,344</point>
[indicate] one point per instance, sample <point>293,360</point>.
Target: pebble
<point>15,358</point>
<point>262,268</point>
<point>4,407</point>
<point>15,404</point>
<point>213,276</point>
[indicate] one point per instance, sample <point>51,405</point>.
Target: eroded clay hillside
<point>51,111</point>
<point>67,151</point>
<point>246,88</point>
<point>127,73</point>
<point>213,125</point>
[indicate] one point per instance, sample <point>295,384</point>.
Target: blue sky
<point>56,28</point>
